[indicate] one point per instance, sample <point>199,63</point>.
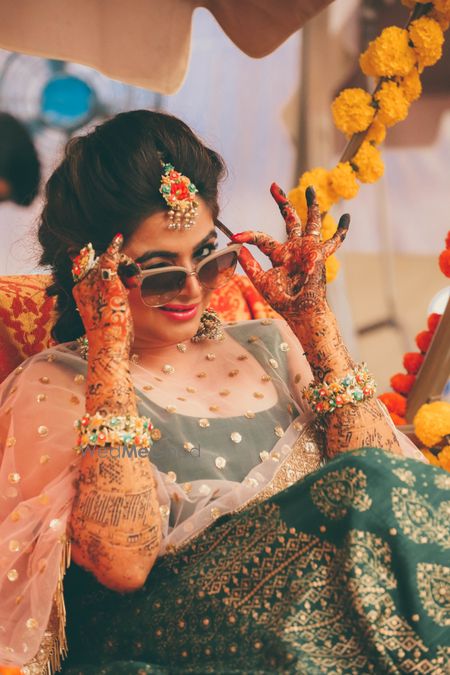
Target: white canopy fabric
<point>144,42</point>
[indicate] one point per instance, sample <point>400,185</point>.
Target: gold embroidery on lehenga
<point>338,491</point>
<point>405,475</point>
<point>419,520</point>
<point>433,582</point>
<point>340,603</point>
<point>305,457</point>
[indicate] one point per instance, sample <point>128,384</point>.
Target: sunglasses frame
<point>174,268</point>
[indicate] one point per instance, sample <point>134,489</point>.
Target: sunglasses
<point>160,286</point>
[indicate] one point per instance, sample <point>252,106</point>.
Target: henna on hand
<point>296,288</point>
<point>296,282</point>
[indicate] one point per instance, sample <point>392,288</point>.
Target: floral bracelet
<point>115,430</point>
<point>355,387</point>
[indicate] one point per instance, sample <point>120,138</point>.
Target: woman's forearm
<point>115,522</point>
<point>352,426</point>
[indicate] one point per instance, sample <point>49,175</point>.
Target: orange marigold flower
<point>389,54</point>
<point>411,86</point>
<point>423,340</point>
<point>395,403</point>
<point>402,383</point>
<point>298,200</point>
<point>367,163</point>
<point>353,110</point>
<point>412,362</point>
<point>432,422</point>
<point>376,132</point>
<point>444,262</point>
<point>433,321</point>
<point>343,181</point>
<point>329,227</point>
<point>427,39</point>
<point>442,18</point>
<point>332,265</point>
<point>392,105</point>
<point>430,457</point>
<point>398,421</point>
<point>444,458</point>
<point>447,240</point>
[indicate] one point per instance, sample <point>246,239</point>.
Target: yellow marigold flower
<point>411,86</point>
<point>432,422</point>
<point>320,180</point>
<point>444,458</point>
<point>353,110</point>
<point>389,54</point>
<point>427,38</point>
<point>376,132</point>
<point>430,457</point>
<point>442,6</point>
<point>329,227</point>
<point>392,104</point>
<point>298,200</point>
<point>443,18</point>
<point>368,164</point>
<point>332,266</point>
<point>343,181</point>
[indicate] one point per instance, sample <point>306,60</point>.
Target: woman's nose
<point>192,286</point>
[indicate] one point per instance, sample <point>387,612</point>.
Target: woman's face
<point>153,245</point>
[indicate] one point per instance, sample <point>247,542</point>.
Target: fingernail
<point>118,239</point>
<point>344,221</point>
<point>310,195</point>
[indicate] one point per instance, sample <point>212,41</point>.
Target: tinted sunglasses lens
<point>162,287</point>
<point>218,271</point>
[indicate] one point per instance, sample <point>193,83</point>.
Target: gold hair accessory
<point>179,193</point>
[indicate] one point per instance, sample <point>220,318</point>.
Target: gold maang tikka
<point>179,193</point>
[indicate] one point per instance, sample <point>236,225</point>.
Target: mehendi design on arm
<point>296,288</point>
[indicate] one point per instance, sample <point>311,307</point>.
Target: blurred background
<point>270,119</point>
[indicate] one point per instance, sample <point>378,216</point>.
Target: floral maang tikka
<point>179,193</point>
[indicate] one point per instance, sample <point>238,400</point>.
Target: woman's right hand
<point>102,300</point>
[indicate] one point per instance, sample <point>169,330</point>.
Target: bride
<point>234,497</point>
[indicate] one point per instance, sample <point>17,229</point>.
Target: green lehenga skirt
<point>347,571</point>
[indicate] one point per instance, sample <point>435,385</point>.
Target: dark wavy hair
<point>108,182</point>
<point>19,163</point>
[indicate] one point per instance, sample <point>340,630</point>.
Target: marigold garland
<point>399,54</point>
<point>432,420</point>
<point>389,54</point>
<point>392,105</point>
<point>432,423</point>
<point>367,163</point>
<point>353,111</point>
<point>427,38</point>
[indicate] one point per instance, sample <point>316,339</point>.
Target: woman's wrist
<point>109,390</point>
<point>318,332</point>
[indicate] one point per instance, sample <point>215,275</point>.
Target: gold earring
<point>210,328</point>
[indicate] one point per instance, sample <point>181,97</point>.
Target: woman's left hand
<point>297,281</point>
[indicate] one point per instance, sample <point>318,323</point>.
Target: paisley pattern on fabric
<point>340,490</point>
<point>405,476</point>
<point>279,588</point>
<point>419,520</point>
<point>433,582</point>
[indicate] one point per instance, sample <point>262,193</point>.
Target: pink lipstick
<point>180,312</point>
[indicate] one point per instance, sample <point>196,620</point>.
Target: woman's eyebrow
<point>170,254</point>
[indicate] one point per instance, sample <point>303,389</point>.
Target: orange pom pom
<point>444,262</point>
<point>402,383</point>
<point>395,403</point>
<point>412,362</point>
<point>423,340</point>
<point>398,421</point>
<point>433,321</point>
